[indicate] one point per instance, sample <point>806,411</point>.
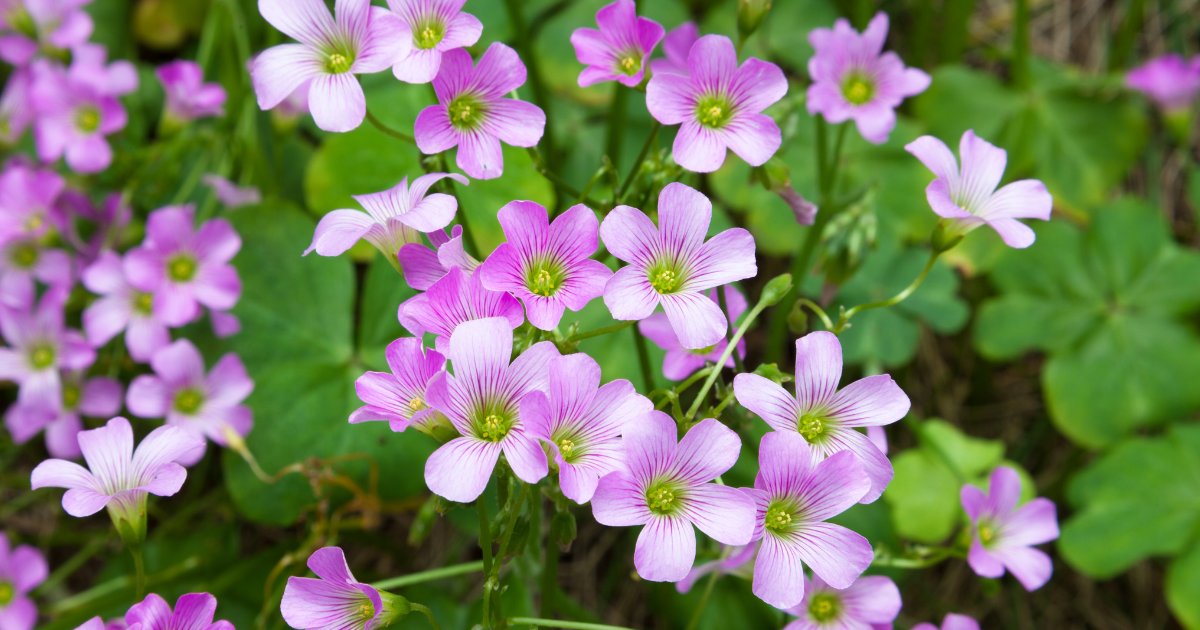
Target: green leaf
<point>1183,586</point>
<point>383,292</point>
<point>924,495</point>
<point>1103,304</point>
<point>1142,499</point>
<point>297,343</point>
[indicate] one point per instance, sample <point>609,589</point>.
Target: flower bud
<point>563,529</point>
<point>751,14</point>
<point>128,514</point>
<point>797,320</point>
<point>776,289</point>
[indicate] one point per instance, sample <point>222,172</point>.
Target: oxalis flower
<point>671,264</point>
<point>740,562</point>
<point>27,197</point>
<point>21,570</point>
<point>676,46</point>
<point>455,299</point>
<point>184,268</point>
<point>544,264</point>
<point>47,26</point>
<point>15,110</point>
<point>680,362</point>
<point>337,601</point>
<point>826,417</point>
<point>482,400</point>
<point>24,260</point>
<point>121,308</point>
<point>98,397</point>
<point>870,603</point>
<point>188,96</point>
<point>230,194</point>
<point>967,198</point>
<point>794,492</point>
<point>582,422</point>
<point>423,266</point>
<point>854,79</point>
<point>359,39</point>
<point>1005,534</point>
<point>436,26</point>
<point>399,397</point>
<point>120,478</point>
<point>39,346</point>
<point>951,622</point>
<point>472,115</point>
<point>620,49</point>
<point>719,106</point>
<point>204,405</point>
<point>392,219</point>
<point>664,487</point>
<point>193,611</point>
<point>1170,81</point>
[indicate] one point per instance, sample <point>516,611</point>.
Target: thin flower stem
<point>712,376</point>
<point>844,319</point>
<point>616,122</point>
<point>555,623</point>
<point>737,358</point>
<point>587,190</point>
<point>708,589</point>
<point>820,312</point>
<point>650,141</point>
<point>716,412</point>
<point>493,581</point>
<point>388,130</point>
<point>600,331</point>
<point>139,568</point>
<point>691,380</point>
<point>485,535</point>
<point>428,576</point>
<point>428,614</point>
<point>639,342</point>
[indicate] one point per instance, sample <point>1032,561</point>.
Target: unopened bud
<point>776,289</point>
<point>797,320</point>
<point>751,14</point>
<point>563,530</point>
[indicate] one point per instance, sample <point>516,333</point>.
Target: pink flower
<point>27,197</point>
<point>193,611</point>
<point>676,46</point>
<point>336,601</point>
<point>1169,81</point>
<point>854,79</point>
<point>399,397</point>
<point>620,49</point>
<point>664,486</point>
<point>78,107</point>
<point>120,477</point>
<point>121,308</point>
<point>719,106</point>
<point>870,603</point>
<point>361,40</point>
<point>204,405</point>
<point>672,264</point>
<point>740,562</point>
<point>546,265</point>
<point>454,300</point>
<point>826,417</point>
<point>21,569</point>
<point>679,363</point>
<point>582,421</point>
<point>392,219</point>
<point>31,26</point>
<point>188,96</point>
<point>39,346</point>
<point>795,491</point>
<point>98,397</point>
<point>951,622</point>
<point>15,110</point>
<point>423,266</point>
<point>230,194</point>
<point>185,268</point>
<point>1005,534</point>
<point>967,198</point>
<point>482,400</point>
<point>472,114</point>
<point>435,26</point>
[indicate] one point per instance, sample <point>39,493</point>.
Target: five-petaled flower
<point>188,96</point>
<point>664,486</point>
<point>435,27</point>
<point>1005,534</point>
<point>546,265</point>
<point>472,114</point>
<point>98,397</point>
<point>337,601</point>
<point>967,198</point>
<point>193,611</point>
<point>21,570</point>
<point>826,417</point>
<point>719,106</point>
<point>854,79</point>
<point>619,50</point>
<point>871,602</point>
<point>671,264</point>
<point>205,405</point>
<point>359,39</point>
<point>795,491</point>
<point>582,421</point>
<point>121,308</point>
<point>482,400</point>
<point>399,397</point>
<point>42,26</point>
<point>39,346</point>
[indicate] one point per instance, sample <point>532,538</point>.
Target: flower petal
<point>336,102</point>
<point>665,549</point>
<point>872,401</point>
<point>818,369</point>
<point>767,399</point>
<point>460,469</point>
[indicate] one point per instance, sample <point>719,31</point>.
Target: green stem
<point>485,535</point>
<point>428,576</point>
<point>844,319</point>
<point>388,130</point>
<point>820,312</point>
<point>554,623</point>
<point>712,376</point>
<point>549,577</point>
<point>428,614</point>
<point>616,122</point>
<point>508,532</point>
<point>140,572</point>
<point>600,331</point>
<point>1127,36</point>
<point>721,301</point>
<point>587,190</point>
<point>651,140</point>
<point>639,342</point>
<point>468,236</point>
<point>708,589</point>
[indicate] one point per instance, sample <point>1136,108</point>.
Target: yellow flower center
<point>338,63</point>
<point>466,112</point>
<point>664,281</point>
<point>24,255</point>
<point>87,119</point>
<point>181,268</point>
<point>71,395</point>
<point>6,593</point>
<point>34,222</point>
<point>188,401</point>
<point>714,111</point>
<point>143,303</point>
<point>857,91</point>
<point>494,428</point>
<point>823,607</point>
<point>778,519</point>
<point>986,534</point>
<point>661,499</point>
<point>630,64</point>
<point>810,427</point>
<point>42,357</point>
<point>416,404</point>
<point>429,36</point>
<point>366,611</point>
